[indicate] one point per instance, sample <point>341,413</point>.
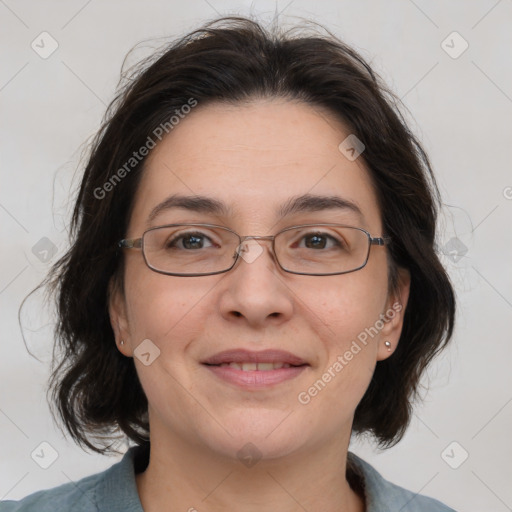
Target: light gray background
<point>461,109</point>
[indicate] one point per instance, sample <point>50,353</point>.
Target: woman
<point>252,279</point>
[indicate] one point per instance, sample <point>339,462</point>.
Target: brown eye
<point>315,242</point>
<point>320,241</point>
<point>190,241</point>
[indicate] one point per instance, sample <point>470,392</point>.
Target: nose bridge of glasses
<point>250,252</point>
<point>256,237</point>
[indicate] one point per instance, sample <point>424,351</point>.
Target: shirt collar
<point>118,490</point>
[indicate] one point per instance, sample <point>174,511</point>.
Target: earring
<point>122,342</point>
<point>388,345</point>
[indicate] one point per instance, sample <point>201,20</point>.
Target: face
<point>255,158</point>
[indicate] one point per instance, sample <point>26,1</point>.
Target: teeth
<point>246,367</point>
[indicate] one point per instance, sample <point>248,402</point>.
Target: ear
<point>393,316</point>
<point>118,317</point>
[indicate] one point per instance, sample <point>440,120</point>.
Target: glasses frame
<point>138,243</point>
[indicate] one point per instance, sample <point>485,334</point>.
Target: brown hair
<point>94,387</point>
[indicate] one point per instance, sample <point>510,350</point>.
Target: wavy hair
<point>93,387</point>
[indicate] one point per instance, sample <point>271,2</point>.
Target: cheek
<point>348,305</point>
<point>168,311</point>
<point>164,309</point>
<point>345,320</point>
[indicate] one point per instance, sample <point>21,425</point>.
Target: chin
<point>258,435</point>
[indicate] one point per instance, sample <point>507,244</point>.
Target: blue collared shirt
<point>115,490</point>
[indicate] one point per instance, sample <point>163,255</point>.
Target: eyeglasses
<point>207,249</point>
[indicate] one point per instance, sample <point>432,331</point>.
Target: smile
<point>247,367</point>
<point>252,376</point>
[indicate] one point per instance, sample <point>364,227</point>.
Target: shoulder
<point>61,498</point>
<point>384,496</point>
<point>111,490</point>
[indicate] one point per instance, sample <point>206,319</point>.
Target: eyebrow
<point>301,204</point>
<point>199,204</point>
<point>314,203</point>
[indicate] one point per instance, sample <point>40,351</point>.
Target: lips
<point>250,360</point>
<point>255,371</point>
<point>247,366</point>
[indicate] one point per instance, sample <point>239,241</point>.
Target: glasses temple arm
<point>130,243</point>
<point>384,240</point>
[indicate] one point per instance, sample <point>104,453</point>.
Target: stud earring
<point>122,342</point>
<point>388,345</point>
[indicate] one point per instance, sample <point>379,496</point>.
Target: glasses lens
<point>190,249</point>
<point>197,249</point>
<point>322,249</point>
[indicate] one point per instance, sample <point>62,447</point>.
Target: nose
<point>255,291</point>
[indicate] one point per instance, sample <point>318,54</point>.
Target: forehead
<point>255,158</point>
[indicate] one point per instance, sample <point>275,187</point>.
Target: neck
<point>181,476</point>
